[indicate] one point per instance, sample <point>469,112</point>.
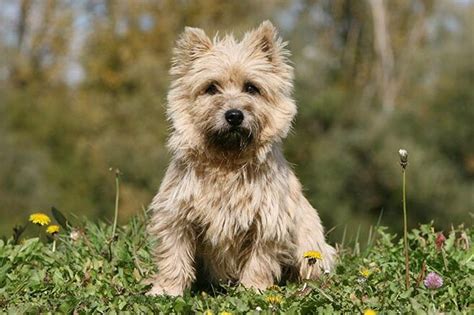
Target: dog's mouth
<point>232,139</point>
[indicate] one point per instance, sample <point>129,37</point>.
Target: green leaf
<point>17,232</point>
<point>61,219</point>
<point>407,293</point>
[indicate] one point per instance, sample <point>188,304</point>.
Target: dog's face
<point>230,98</point>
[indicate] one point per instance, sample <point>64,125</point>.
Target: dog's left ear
<point>265,40</point>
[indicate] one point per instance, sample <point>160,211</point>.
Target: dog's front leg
<point>261,269</point>
<point>174,256</point>
<point>310,237</point>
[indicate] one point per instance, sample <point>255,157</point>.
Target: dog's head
<point>230,98</point>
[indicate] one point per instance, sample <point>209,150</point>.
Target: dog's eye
<point>251,88</point>
<point>211,89</point>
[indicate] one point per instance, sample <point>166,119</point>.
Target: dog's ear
<point>192,43</point>
<point>265,40</point>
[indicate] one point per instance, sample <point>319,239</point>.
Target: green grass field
<point>89,274</point>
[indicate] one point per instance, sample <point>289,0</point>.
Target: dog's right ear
<point>192,43</point>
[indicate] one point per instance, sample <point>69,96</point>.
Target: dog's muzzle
<point>231,139</point>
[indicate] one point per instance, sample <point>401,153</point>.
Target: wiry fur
<point>237,209</point>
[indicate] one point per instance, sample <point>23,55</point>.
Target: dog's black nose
<point>234,117</point>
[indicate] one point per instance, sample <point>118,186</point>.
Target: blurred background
<point>83,87</point>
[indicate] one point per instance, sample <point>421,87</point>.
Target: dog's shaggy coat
<point>229,202</point>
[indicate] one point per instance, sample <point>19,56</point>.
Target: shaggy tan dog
<point>229,204</point>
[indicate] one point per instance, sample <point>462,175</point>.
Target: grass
<point>92,275</point>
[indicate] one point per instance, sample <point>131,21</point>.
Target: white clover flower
<point>75,235</point>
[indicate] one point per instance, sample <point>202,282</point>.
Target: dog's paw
<point>257,286</point>
<point>329,258</point>
<point>158,290</point>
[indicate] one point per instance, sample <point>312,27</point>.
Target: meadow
<point>81,269</point>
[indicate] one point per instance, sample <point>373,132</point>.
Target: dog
<point>229,207</point>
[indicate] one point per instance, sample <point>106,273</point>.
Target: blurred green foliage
<point>83,86</point>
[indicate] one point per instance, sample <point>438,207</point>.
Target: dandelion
<point>370,311</point>
<point>404,162</point>
<point>365,272</point>
<point>403,157</point>
<point>274,299</point>
<point>433,281</point>
<point>40,219</point>
<point>312,256</point>
<point>225,313</point>
<point>208,312</point>
<point>52,229</point>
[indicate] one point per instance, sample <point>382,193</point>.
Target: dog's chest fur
<point>230,204</point>
<point>230,211</point>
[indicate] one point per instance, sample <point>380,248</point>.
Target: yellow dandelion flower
<point>39,218</point>
<point>364,272</point>
<point>370,312</point>
<point>274,299</point>
<point>312,254</point>
<point>208,312</point>
<point>225,313</point>
<point>52,229</point>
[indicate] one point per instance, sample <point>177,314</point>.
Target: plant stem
<point>310,270</point>
<point>308,277</point>
<point>54,245</point>
<point>405,233</point>
<point>117,195</point>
